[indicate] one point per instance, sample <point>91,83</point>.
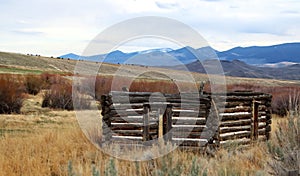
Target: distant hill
<point>70,56</point>
<point>288,52</point>
<point>238,68</point>
<point>153,57</point>
<point>254,55</point>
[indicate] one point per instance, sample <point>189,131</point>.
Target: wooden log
<point>167,118</point>
<point>262,108</point>
<point>120,113</point>
<point>189,142</point>
<point>262,119</point>
<point>235,109</point>
<point>232,104</point>
<point>195,135</point>
<point>241,98</point>
<point>106,117</point>
<point>268,128</point>
<point>135,94</point>
<point>235,123</point>
<point>262,113</point>
<point>254,132</point>
<point>188,121</point>
<point>268,122</point>
<point>126,106</point>
<point>146,128</point>
<point>126,126</point>
<point>235,135</point>
<point>106,123</point>
<point>195,107</point>
<point>189,114</point>
<point>188,128</point>
<point>131,119</point>
<point>261,125</point>
<point>128,132</point>
<point>236,116</point>
<point>239,93</point>
<point>234,129</point>
<point>243,141</point>
<point>261,132</point>
<point>125,139</point>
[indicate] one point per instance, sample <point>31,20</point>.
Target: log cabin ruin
<point>188,120</point>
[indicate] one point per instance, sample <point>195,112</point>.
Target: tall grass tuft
<point>286,148</point>
<point>111,169</point>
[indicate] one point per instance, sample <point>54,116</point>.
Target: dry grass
<point>48,142</point>
<point>50,152</point>
<point>45,142</point>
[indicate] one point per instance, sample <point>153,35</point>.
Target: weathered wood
<point>235,135</point>
<point>119,113</point>
<point>187,113</point>
<point>221,104</point>
<point>192,134</point>
<point>261,132</point>
<point>240,98</point>
<point>254,133</point>
<point>126,106</point>
<point>188,128</point>
<point>128,132</point>
<point>195,107</point>
<point>125,138</point>
<point>167,118</point>
<point>131,99</point>
<point>268,128</point>
<point>238,93</point>
<point>185,116</point>
<point>235,123</point>
<point>232,117</point>
<point>243,141</point>
<point>126,126</point>
<point>188,121</point>
<point>146,129</point>
<point>188,143</point>
<point>234,129</point>
<point>132,119</point>
<point>235,109</point>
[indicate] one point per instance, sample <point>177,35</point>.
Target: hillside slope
<point>24,64</point>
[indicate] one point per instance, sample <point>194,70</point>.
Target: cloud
<point>66,22</point>
<point>290,12</point>
<point>28,32</point>
<point>164,5</point>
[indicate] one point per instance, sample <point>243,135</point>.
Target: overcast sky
<point>56,27</point>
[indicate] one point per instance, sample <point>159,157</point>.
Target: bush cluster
<point>11,94</point>
<point>59,95</point>
<point>33,84</point>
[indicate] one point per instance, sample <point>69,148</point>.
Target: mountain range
<point>277,61</point>
<point>254,55</point>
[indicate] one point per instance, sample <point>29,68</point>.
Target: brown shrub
<point>11,94</point>
<point>49,79</point>
<point>59,96</point>
<point>33,84</point>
